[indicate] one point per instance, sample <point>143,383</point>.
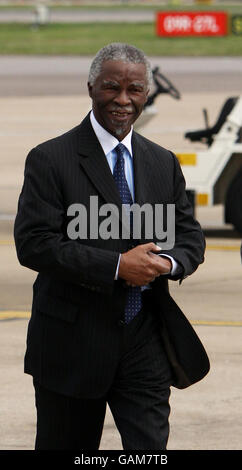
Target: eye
<point>110,86</point>
<point>137,88</point>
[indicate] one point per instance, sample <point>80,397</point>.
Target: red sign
<point>192,23</point>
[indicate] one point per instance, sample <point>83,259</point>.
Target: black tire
<point>233,203</point>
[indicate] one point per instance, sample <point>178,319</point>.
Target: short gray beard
<point>119,131</point>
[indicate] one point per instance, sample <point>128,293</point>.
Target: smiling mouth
<point>119,115</point>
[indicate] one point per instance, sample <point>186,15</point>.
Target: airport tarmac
<point>67,75</point>
<point>78,16</point>
<point>207,415</point>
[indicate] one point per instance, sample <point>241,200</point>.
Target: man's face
<point>118,96</point>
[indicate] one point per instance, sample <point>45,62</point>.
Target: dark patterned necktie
<point>133,303</point>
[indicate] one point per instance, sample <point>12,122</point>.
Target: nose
<point>122,98</point>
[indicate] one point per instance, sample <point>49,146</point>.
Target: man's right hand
<point>139,266</point>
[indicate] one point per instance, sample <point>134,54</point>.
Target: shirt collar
<point>108,141</point>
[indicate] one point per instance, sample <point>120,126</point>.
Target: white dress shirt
<point>108,143</point>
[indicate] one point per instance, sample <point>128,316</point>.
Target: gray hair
<point>119,51</point>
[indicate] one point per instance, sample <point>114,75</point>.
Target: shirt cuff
<point>116,274</point>
<point>174,267</point>
<point>174,263</point>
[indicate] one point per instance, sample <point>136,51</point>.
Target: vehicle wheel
<point>233,203</point>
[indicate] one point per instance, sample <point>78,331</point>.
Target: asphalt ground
<point>79,16</point>
<point>55,75</point>
<point>207,415</point>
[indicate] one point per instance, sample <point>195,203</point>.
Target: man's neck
<point>107,140</point>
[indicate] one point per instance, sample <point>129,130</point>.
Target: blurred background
<point>195,110</point>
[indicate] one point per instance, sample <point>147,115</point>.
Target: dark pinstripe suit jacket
<point>73,334</point>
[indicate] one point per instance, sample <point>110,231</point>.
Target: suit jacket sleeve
<point>189,239</point>
<point>41,242</point>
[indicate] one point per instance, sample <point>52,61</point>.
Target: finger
<point>153,255</point>
<point>151,247</point>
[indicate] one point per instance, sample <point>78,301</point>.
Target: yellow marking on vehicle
<point>187,158</point>
<point>202,199</point>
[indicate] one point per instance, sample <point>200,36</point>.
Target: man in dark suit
<point>97,332</point>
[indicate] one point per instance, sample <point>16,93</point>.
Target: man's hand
<point>140,266</point>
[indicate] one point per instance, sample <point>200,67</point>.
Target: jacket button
<point>121,322</point>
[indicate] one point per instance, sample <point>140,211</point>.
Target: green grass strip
<point>86,39</point>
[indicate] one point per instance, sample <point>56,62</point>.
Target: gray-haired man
<point>95,332</point>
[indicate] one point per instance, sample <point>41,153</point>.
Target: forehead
<point>119,70</point>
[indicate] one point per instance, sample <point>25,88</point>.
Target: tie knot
<point>120,149</point>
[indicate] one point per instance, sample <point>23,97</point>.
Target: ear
<point>89,89</point>
<point>147,94</point>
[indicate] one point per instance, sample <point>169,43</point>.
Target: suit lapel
<point>142,175</point>
<point>95,165</point>
<point>142,170</point>
<point>93,161</point>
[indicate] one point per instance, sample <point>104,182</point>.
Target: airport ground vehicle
<point>213,175</point>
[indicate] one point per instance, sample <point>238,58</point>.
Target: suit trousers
<point>138,398</point>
